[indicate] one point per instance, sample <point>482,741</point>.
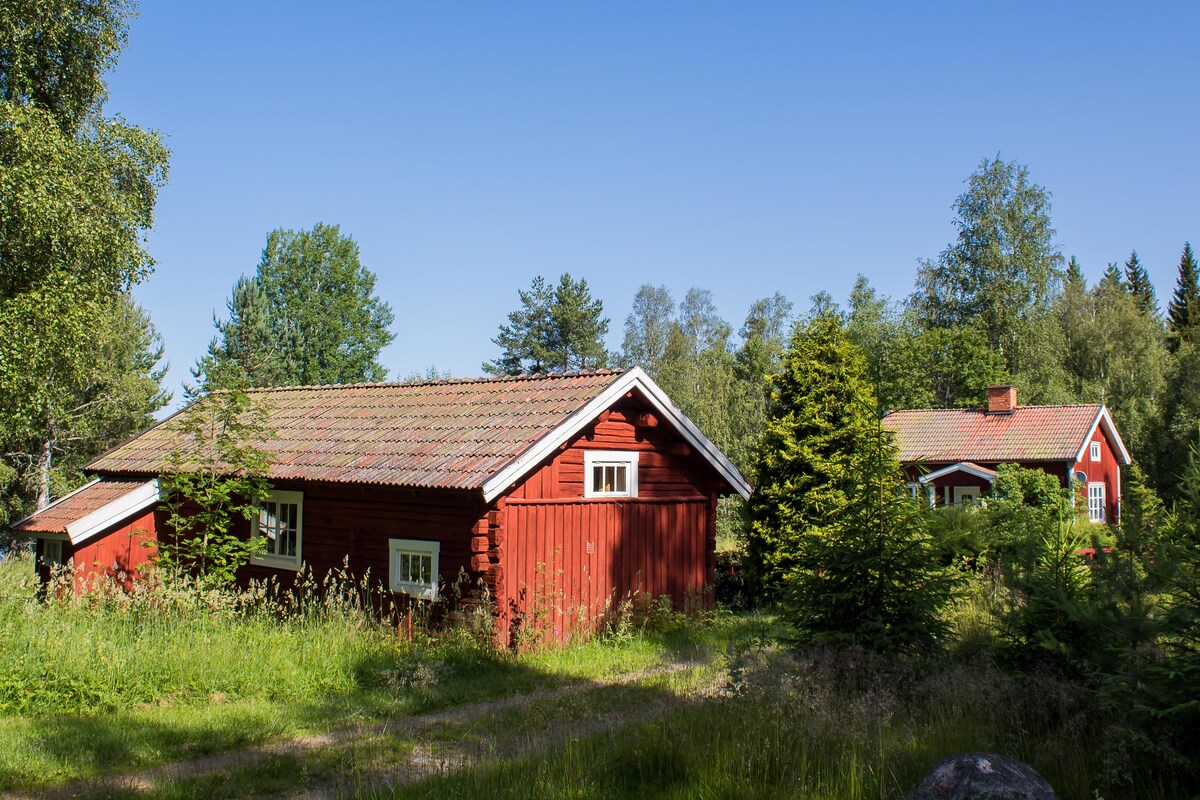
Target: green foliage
<point>53,54</point>
<point>557,329</point>
<point>1045,606</point>
<point>1114,354</point>
<point>1001,274</point>
<point>217,474</point>
<point>911,367</point>
<point>648,328</point>
<point>820,414</point>
<point>1183,312</point>
<point>309,316</point>
<point>832,537</point>
<point>79,193</point>
<point>1179,678</point>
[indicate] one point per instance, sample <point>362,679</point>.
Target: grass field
<point>164,696</point>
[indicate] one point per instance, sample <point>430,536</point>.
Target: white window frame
<point>1097,502</point>
<point>1095,451</point>
<point>266,559</point>
<point>414,547</point>
<point>52,560</point>
<point>605,458</point>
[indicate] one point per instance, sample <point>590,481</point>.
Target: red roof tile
<point>444,434</point>
<point>1030,433</point>
<point>58,515</point>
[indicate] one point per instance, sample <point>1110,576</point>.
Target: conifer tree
<point>1137,282</point>
<point>557,329</point>
<point>833,540</point>
<point>1183,312</point>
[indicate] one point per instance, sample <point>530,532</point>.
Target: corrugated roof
<point>443,434</point>
<point>55,517</point>
<point>1030,433</point>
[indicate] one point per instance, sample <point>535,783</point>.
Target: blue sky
<point>746,148</point>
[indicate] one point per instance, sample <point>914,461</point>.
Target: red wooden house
<point>953,453</point>
<point>584,487</point>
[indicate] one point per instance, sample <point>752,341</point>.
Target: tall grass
<point>818,723</point>
<point>108,650</point>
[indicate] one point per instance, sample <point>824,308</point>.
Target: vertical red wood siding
<point>569,562</point>
<point>117,553</point>
<point>1107,471</point>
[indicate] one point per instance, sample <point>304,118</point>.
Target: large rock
<point>983,776</point>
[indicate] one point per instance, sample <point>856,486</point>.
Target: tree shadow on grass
<point>72,754</point>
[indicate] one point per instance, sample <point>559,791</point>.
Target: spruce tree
<point>1112,277</point>
<point>1183,312</point>
<point>832,538</point>
<point>1137,282</point>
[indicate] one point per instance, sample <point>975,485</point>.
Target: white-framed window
<point>966,495</point>
<point>610,473</point>
<point>914,489</point>
<point>1095,451</point>
<point>52,552</point>
<point>280,522</point>
<point>1096,504</point>
<point>413,567</point>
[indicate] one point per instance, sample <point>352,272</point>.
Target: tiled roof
<point>1030,433</point>
<point>56,517</point>
<point>444,434</point>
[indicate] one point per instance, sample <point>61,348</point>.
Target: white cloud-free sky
<point>746,148</point>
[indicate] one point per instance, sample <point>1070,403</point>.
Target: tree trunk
<point>45,459</point>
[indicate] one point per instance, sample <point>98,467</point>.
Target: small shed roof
<point>1029,433</point>
<point>90,509</point>
<point>456,434</point>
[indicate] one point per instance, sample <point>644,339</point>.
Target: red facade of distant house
<point>561,493</point>
<point>953,454</point>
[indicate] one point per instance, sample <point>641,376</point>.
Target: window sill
<point>416,591</point>
<point>276,562</point>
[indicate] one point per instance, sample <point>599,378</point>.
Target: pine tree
<point>556,329</point>
<point>246,342</point>
<point>1137,282</point>
<point>1183,312</point>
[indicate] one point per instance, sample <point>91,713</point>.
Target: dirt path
<point>425,759</point>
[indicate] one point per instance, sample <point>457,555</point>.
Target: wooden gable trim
<point>624,384</point>
<point>1104,420</point>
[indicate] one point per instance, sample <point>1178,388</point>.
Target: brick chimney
<point>1002,399</point>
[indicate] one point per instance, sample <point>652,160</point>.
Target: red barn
<point>573,490</point>
<point>953,453</point>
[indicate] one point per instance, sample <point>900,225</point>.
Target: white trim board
<point>634,378</point>
<point>114,511</point>
<point>962,466</point>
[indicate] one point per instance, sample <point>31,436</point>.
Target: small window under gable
<point>413,567</point>
<point>280,522</point>
<point>1096,502</point>
<point>610,473</point>
<point>1095,451</point>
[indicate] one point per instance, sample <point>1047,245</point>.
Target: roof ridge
<point>985,411</point>
<point>530,376</point>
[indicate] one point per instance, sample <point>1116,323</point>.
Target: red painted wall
<point>1107,471</point>
<point>115,554</point>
